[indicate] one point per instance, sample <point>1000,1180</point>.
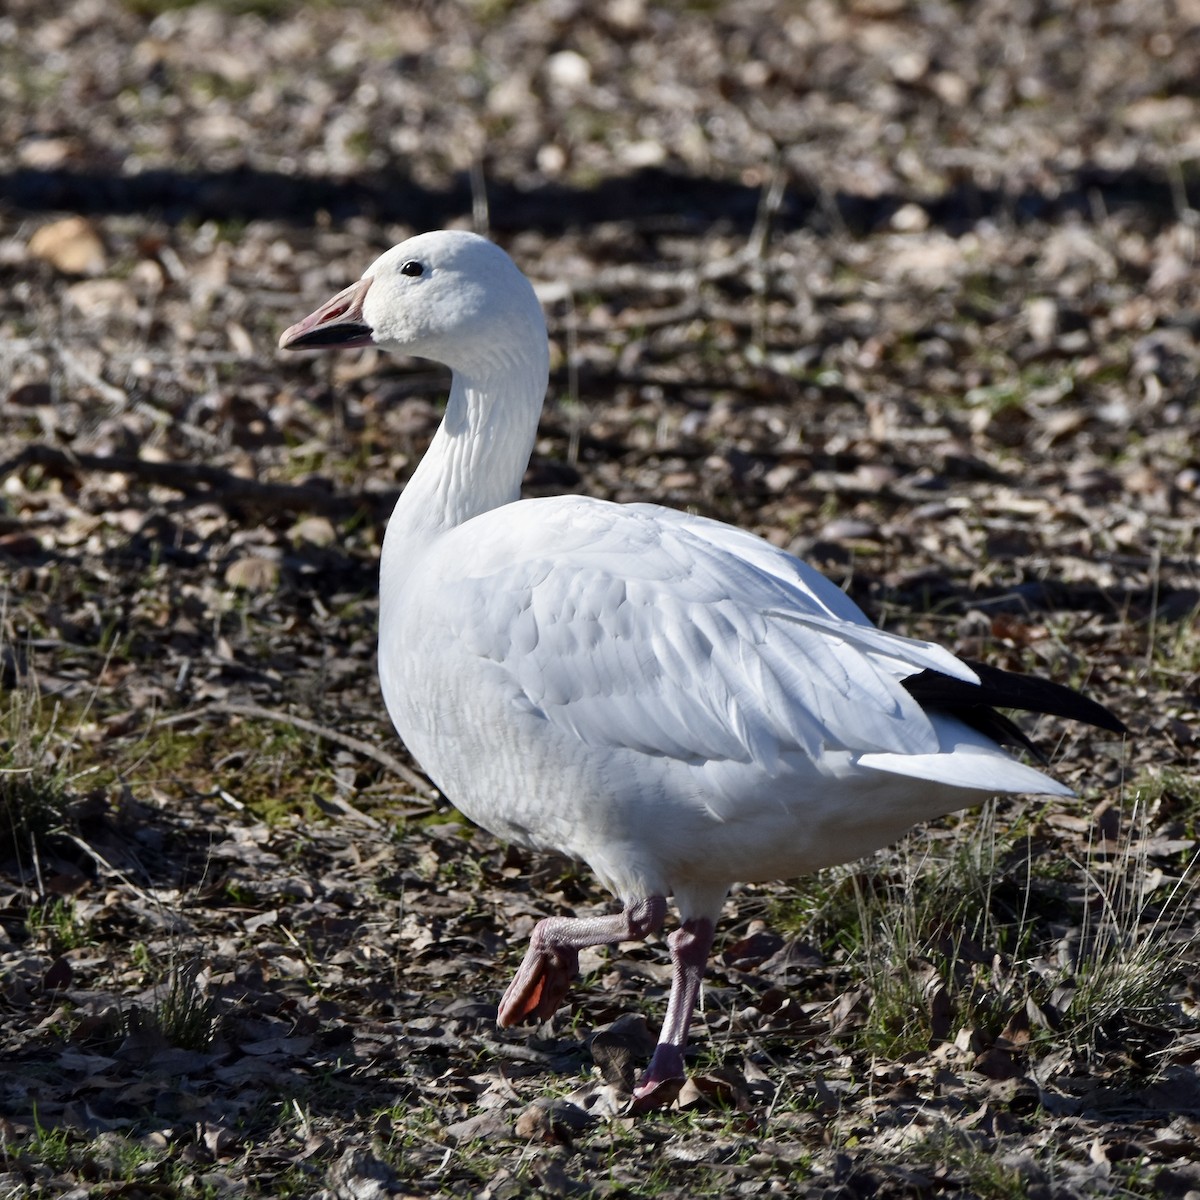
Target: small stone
<point>627,15</point>
<point>1041,316</point>
<point>551,159</point>
<point>951,89</point>
<point>47,153</point>
<point>568,69</point>
<point>910,218</point>
<point>644,153</point>
<point>909,66</point>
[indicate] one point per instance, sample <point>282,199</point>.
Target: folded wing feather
<point>677,636</point>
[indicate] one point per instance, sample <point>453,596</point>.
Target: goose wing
<point>637,627</point>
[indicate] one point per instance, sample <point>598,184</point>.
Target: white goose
<point>674,701</point>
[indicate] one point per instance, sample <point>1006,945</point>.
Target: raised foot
<point>552,960</point>
<point>539,986</point>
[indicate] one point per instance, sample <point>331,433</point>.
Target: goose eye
<point>412,267</point>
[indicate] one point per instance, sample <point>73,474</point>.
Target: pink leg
<point>690,945</point>
<point>552,960</point>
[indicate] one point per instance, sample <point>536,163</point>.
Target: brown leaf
<point>71,246</point>
<point>1006,627</point>
<point>253,574</point>
<point>19,544</point>
<point>220,1141</point>
<point>752,950</point>
<point>485,1126</point>
<point>721,1089</point>
<point>621,1049</point>
<point>996,1064</point>
<point>318,531</point>
<point>552,1121</point>
<point>941,1011</point>
<point>102,300</point>
<point>1016,1033</point>
<point>58,975</point>
<point>360,1175</point>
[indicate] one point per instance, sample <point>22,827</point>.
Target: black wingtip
<point>974,702</point>
<point>1008,689</point>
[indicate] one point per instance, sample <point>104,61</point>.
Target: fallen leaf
<point>71,246</point>
<point>253,574</point>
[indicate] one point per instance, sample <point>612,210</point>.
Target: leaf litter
<point>913,297</point>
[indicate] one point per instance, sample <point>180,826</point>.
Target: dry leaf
<point>71,245</point>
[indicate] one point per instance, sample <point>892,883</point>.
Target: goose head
<point>450,296</point>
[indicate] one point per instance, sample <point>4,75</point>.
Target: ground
<point>908,288</point>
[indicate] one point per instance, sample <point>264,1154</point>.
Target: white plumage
<point>672,700</point>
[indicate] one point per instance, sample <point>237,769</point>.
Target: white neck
<point>478,456</point>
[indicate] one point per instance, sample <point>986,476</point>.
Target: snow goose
<point>672,700</point>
